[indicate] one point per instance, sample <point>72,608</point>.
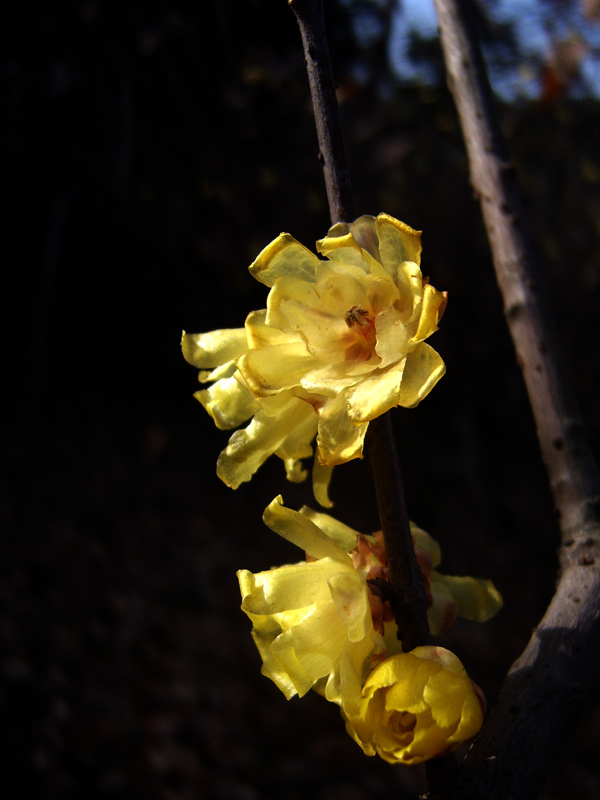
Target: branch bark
<point>405,573</point>
<point>545,686</point>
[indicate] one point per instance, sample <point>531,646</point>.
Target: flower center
<point>403,722</point>
<point>363,325</point>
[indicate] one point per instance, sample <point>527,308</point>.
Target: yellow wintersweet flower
<point>312,621</point>
<point>342,340</point>
<point>323,624</point>
<point>415,706</point>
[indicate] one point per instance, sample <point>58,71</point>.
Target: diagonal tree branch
<point>544,688</point>
<point>405,573</point>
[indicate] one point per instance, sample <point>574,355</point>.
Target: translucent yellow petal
<point>341,534</point>
<point>277,404</point>
<point>375,394</point>
<point>228,403</point>
<point>312,649</point>
<point>289,587</point>
<point>353,664</point>
<point>321,478</point>
<point>297,444</point>
<point>350,596</point>
<point>409,280</point>
<point>284,256</point>
<point>446,693</point>
<point>250,447</point>
<point>406,694</point>
<point>363,230</point>
<point>286,294</point>
<point>397,242</point>
<point>342,290</point>
<point>345,249</point>
<point>259,334</point>
<point>422,539</point>
<point>299,530</point>
<point>475,598</point>
<point>226,370</point>
<point>209,350</point>
<point>433,301</point>
<point>429,740</point>
<point>424,368</point>
<point>441,615</point>
<point>269,370</point>
<point>294,471</point>
<point>338,440</point>
<point>441,656</point>
<point>471,719</point>
<point>392,337</point>
<point>330,380</point>
<point>272,668</point>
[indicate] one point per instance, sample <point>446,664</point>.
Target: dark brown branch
<point>405,575</point>
<point>542,692</point>
<point>309,14</point>
<point>404,571</point>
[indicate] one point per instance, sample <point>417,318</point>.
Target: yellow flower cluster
<point>341,341</point>
<point>324,624</point>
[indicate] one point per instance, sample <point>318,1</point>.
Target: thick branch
<point>404,571</point>
<point>543,687</point>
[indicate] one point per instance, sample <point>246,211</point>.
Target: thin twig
<point>405,573</point>
<point>332,154</point>
<point>543,690</point>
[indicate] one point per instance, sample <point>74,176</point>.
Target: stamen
<point>357,316</point>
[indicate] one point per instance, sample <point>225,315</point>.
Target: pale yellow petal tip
<point>402,226</point>
<point>416,706</point>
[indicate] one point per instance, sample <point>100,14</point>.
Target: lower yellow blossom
<point>324,623</point>
<point>415,706</point>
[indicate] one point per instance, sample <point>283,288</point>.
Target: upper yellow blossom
<point>340,342</point>
<point>415,706</point>
<point>324,623</point>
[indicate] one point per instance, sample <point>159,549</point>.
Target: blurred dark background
<point>151,149</point>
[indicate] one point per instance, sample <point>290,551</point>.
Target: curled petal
<point>375,394</point>
<point>424,368</point>
<point>338,439</point>
<point>392,337</point>
<point>250,447</point>
<point>292,587</point>
<point>398,242</point>
<point>228,403</point>
<point>476,599</point>
<point>284,256</point>
<point>302,532</point>
<point>434,303</point>
<point>350,596</point>
<point>269,370</point>
<point>259,334</point>
<point>209,350</point>
<point>422,539</point>
<point>335,530</point>
<point>321,477</point>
